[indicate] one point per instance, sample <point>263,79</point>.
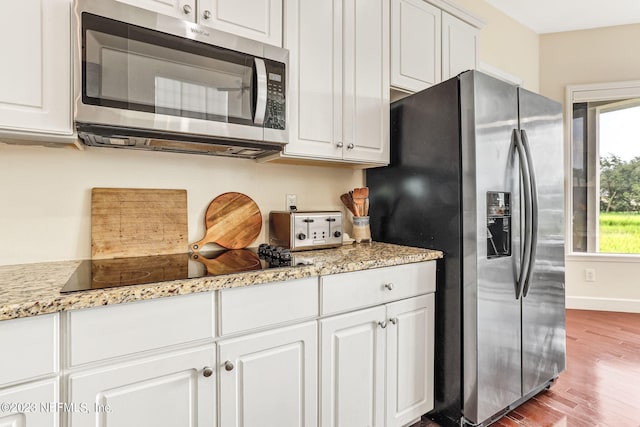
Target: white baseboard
<point>603,304</point>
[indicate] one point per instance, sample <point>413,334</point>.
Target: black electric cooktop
<point>109,273</point>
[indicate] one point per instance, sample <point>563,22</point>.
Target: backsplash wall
<point>45,193</point>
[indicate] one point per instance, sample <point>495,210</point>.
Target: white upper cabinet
<point>254,19</point>
<point>259,20</point>
<point>415,44</point>
<point>183,9</point>
<point>430,42</point>
<point>459,46</point>
<point>35,78</point>
<point>338,101</point>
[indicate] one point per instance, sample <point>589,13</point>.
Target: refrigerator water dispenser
<point>498,224</point>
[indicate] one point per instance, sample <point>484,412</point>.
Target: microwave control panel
<point>275,117</point>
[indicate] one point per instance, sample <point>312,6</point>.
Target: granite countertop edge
<point>34,289</point>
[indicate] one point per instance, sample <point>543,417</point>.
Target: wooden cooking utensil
<point>133,222</point>
<point>347,200</point>
<point>360,195</point>
<point>233,221</point>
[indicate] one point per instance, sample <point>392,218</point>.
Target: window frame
<point>609,91</point>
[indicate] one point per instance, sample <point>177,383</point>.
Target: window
<point>605,168</point>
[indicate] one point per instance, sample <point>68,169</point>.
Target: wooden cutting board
<point>128,222</point>
<point>233,221</point>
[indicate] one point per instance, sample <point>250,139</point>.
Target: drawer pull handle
<point>206,14</point>
<point>382,324</point>
<point>186,9</point>
<point>339,145</point>
<point>393,320</point>
<point>350,147</point>
<point>389,286</point>
<point>228,365</point>
<point>207,372</point>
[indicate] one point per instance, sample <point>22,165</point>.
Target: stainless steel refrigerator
<point>477,171</point>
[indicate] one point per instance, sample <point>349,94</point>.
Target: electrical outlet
<point>292,200</point>
<point>590,274</point>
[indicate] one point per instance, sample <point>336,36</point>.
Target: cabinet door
<point>35,77</point>
<point>352,369</point>
<point>254,19</point>
<point>365,45</point>
<point>270,378</point>
<point>183,9</point>
<point>459,46</point>
<point>410,340</point>
<point>314,105</point>
<point>31,405</point>
<point>415,44</point>
<point>165,391</point>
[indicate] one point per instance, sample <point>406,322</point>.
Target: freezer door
<point>543,307</point>
<point>491,310</point>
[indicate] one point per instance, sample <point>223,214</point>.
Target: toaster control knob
<point>337,234</point>
<point>302,236</point>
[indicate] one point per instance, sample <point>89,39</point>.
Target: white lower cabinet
<point>352,348</point>
<point>358,344</point>
<point>169,390</point>
<point>410,341</point>
<point>378,361</point>
<point>269,378</point>
<point>30,405</point>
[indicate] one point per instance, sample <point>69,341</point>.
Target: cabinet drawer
<point>349,291</point>
<point>254,307</point>
<point>105,332</point>
<point>30,348</point>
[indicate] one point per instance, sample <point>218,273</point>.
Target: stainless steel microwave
<point>144,80</point>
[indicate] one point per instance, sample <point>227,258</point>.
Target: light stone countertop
<point>33,289</point>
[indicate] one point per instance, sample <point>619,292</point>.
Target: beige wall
<point>45,192</point>
<point>581,57</point>
<point>506,44</point>
<point>588,56</point>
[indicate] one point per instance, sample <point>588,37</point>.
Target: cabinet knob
<point>350,146</point>
<point>207,372</point>
<point>393,320</point>
<point>339,145</point>
<point>382,324</point>
<point>388,286</point>
<point>186,9</point>
<point>228,365</point>
<point>206,14</point>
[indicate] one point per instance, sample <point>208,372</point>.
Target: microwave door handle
<point>261,91</point>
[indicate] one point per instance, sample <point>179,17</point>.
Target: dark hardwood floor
<point>601,386</point>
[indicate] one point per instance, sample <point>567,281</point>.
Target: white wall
<point>616,286</point>
<point>45,193</point>
<point>581,57</point>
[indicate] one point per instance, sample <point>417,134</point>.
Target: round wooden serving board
<point>233,221</point>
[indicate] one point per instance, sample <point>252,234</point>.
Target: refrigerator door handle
<point>534,211</point>
<point>526,181</point>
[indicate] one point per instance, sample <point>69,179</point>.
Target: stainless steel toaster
<point>303,230</point>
